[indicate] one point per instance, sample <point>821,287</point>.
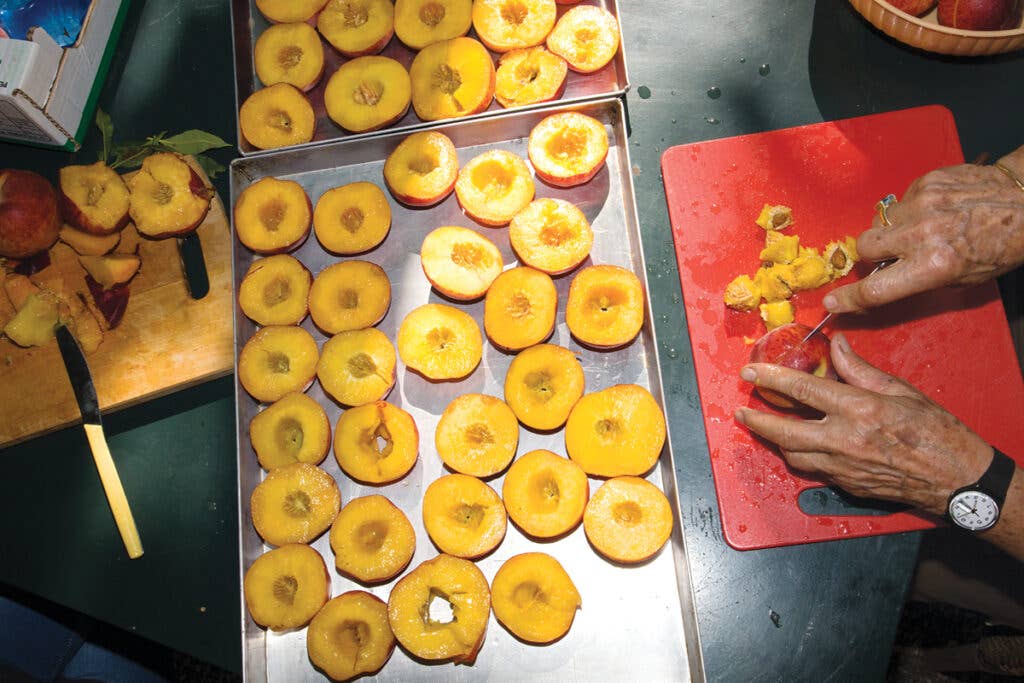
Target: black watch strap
<point>996,480</point>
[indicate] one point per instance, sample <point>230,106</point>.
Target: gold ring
<point>881,207</point>
<point>1010,174</point>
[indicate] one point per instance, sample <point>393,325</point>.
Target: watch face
<point>973,510</point>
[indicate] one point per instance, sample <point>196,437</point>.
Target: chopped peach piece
<point>605,307</point>
<point>534,597</point>
<point>568,149</point>
<point>422,170</point>
<point>282,11</point>
<point>368,93</point>
<point>452,78</point>
<point>545,494</point>
<point>440,342</point>
<point>357,27</point>
<point>742,294</point>
<point>616,431</point>
<point>494,186</point>
<point>277,360</point>
<point>273,215</point>
<point>528,76</point>
<point>289,53</point>
<point>294,504</point>
<point>349,295</point>
<point>376,443</point>
<point>293,429</point>
<point>477,435</point>
<point>460,263</point>
<point>352,218</point>
<point>542,385</point>
<point>551,235</point>
<point>419,23</point>
<point>277,116</point>
<point>89,244</point>
<point>520,309</point>
<point>504,25</point>
<point>274,291</point>
<point>285,587</point>
<point>350,636</point>
<point>463,516</point>
<point>779,248</point>
<point>372,540</point>
<point>776,314</point>
<point>628,520</point>
<point>357,366</point>
<point>777,217</point>
<point>587,37</point>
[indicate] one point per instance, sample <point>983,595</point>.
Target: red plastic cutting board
<point>953,344</point>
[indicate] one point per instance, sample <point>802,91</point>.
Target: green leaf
<point>193,142</point>
<point>211,166</point>
<point>106,127</point>
<point>131,154</point>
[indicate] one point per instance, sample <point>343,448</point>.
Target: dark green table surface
<point>835,605</point>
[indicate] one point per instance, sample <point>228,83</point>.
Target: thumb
<point>859,373</point>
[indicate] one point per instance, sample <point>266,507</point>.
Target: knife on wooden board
<point>193,265</point>
<point>88,404</point>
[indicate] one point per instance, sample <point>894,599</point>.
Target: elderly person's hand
<point>879,436</point>
<point>955,226</point>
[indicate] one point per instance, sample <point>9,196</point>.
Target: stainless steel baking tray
<point>637,623</point>
<point>248,24</point>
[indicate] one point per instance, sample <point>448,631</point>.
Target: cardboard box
<point>47,93</point>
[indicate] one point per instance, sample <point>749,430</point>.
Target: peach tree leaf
<point>193,142</point>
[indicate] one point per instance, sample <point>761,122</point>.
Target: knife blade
<point>193,265</point>
<point>89,406</point>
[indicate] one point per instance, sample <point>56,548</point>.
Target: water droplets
<point>712,120</point>
<point>714,92</point>
<point>764,69</point>
<point>644,92</point>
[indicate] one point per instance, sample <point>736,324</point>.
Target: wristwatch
<point>976,507</point>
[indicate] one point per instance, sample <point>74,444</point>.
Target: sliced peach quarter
<point>376,443</point>
<point>452,78</point>
<point>494,186</point>
<point>93,199</point>
<point>551,235</point>
<point>277,360</point>
<point>568,149</point>
<point>167,197</point>
<point>504,25</point>
<point>460,263</point>
<point>520,308</point>
<point>463,516</point>
<point>628,520</point>
<point>419,23</point>
<point>349,295</point>
<point>372,540</point>
<point>529,76</point>
<point>289,53</point>
<point>534,597</point>
<point>587,37</point>
<point>440,342</point>
<point>277,116</point>
<point>272,216</point>
<point>110,271</point>
<point>545,494</point>
<point>542,385</point>
<point>439,610</point>
<point>368,93</point>
<point>286,587</point>
<point>274,291</point>
<point>88,244</point>
<point>293,429</point>
<point>616,431</point>
<point>352,218</point>
<point>284,11</point>
<point>357,27</point>
<point>422,170</point>
<point>294,504</point>
<point>605,308</point>
<point>357,366</point>
<point>477,435</point>
<point>350,636</point>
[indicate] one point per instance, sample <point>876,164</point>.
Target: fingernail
<point>840,339</point>
<point>748,374</point>
<point>830,302</point>
<point>740,416</point>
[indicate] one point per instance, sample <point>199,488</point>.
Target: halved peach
<point>273,215</point>
<point>587,37</point>
<point>504,25</point>
<point>520,309</point>
<point>452,78</point>
<point>167,197</point>
<point>283,11</point>
<point>419,23</point>
<point>628,520</point>
<point>285,587</point>
<point>289,53</point>
<point>349,295</point>
<point>277,116</point>
<point>350,636</point>
<point>352,218</point>
<point>568,149</point>
<point>88,244</point>
<point>605,308</point>
<point>477,435</point>
<point>93,198</point>
<point>542,385</point>
<point>368,93</point>
<point>376,443</point>
<point>294,504</point>
<point>551,235</point>
<point>529,76</point>
<point>357,366</point>
<point>293,429</point>
<point>277,360</point>
<point>463,516</point>
<point>372,540</point>
<point>460,263</point>
<point>494,186</point>
<point>440,342</point>
<point>534,597</point>
<point>616,431</point>
<point>439,610</point>
<point>274,291</point>
<point>422,170</point>
<point>545,494</point>
<point>357,27</point>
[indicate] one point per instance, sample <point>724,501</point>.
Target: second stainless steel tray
<point>636,623</point>
<point>248,24</point>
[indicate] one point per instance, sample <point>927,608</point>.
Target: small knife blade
<point>882,264</point>
<point>78,373</point>
<point>193,264</point>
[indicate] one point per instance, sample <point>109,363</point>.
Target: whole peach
<point>29,220</point>
<point>785,346</point>
<point>915,7</point>
<point>980,15</point>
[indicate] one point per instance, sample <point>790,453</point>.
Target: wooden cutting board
<point>166,340</point>
<point>953,344</point>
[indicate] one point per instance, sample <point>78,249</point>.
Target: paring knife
<point>190,250</point>
<point>85,394</point>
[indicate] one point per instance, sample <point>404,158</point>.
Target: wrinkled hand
<point>879,437</point>
<point>955,226</point>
